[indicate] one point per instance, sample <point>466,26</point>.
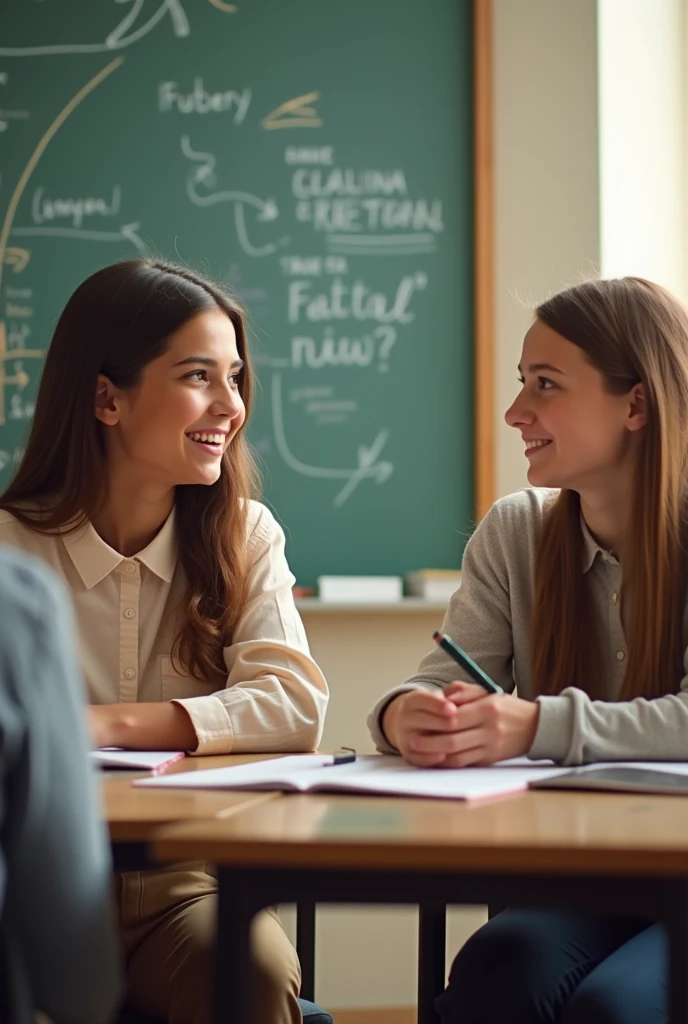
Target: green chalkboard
<point>316,155</point>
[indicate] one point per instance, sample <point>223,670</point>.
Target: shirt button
<point>615,597</point>
<point>129,613</point>
<point>130,567</point>
<point>620,655</point>
<point>130,673</point>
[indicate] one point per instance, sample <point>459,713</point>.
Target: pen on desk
<point>460,656</point>
<point>345,755</point>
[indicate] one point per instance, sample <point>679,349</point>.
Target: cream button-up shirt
<point>127,612</point>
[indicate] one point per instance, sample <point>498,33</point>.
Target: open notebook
<point>311,773</point>
<point>141,760</point>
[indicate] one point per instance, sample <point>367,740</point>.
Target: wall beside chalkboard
<point>318,158</point>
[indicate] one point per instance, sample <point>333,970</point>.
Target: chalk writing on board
<point>20,409</point>
<point>126,233</point>
<point>45,208</point>
<point>344,351</point>
<point>200,101</point>
<point>313,266</point>
<point>365,212</point>
<point>312,182</point>
<point>323,155</point>
<point>7,116</point>
<point>202,178</point>
<point>368,468</point>
<point>13,350</point>
<point>12,458</point>
<point>119,37</point>
<point>342,301</point>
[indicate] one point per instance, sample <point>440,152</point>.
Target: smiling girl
<point>575,593</point>
<point>136,488</point>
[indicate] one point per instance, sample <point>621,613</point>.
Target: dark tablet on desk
<point>620,780</point>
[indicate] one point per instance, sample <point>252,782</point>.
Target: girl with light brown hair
<point>137,487</point>
<point>574,593</point>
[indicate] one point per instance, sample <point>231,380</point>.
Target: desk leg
<point>432,944</point>
<point>677,926</point>
<point>305,946</point>
<point>233,971</point>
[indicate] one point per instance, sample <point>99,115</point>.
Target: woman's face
<point>175,425</point>
<point>577,434</point>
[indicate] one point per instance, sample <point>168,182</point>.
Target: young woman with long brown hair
<point>575,593</point>
<point>137,487</point>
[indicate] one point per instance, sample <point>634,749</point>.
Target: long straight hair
<point>115,323</point>
<point>633,332</point>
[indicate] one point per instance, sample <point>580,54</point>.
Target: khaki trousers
<point>168,921</point>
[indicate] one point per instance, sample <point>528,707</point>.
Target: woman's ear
<point>637,410</point>
<point>107,402</point>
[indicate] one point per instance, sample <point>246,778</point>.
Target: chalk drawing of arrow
<point>118,38</point>
<point>127,232</point>
<point>21,353</point>
<point>17,258</point>
<point>368,466</point>
<point>20,379</point>
<point>203,174</point>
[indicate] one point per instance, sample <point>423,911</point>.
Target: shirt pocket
<point>176,684</point>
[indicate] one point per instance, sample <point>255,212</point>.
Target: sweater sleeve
<point>573,729</point>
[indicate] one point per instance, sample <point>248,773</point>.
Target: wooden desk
<point>616,854</point>
<point>133,815</point>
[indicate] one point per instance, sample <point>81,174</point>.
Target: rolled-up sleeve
<point>276,696</point>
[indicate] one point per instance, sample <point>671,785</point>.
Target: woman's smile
<point>212,442</point>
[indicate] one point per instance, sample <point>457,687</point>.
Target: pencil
<point>460,656</point>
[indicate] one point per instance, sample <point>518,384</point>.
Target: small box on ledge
<point>360,589</point>
<point>433,584</point>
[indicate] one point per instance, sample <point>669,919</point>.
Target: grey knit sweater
<point>489,616</point>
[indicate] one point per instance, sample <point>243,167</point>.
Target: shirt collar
<point>591,549</point>
<point>94,559</point>
<point>160,556</point>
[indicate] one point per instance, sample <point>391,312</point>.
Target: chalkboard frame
<point>484,256</point>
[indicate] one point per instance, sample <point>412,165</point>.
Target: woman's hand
<point>153,726</point>
<point>461,725</point>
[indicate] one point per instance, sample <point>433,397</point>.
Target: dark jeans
<point>555,967</point>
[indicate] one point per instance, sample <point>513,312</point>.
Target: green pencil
<point>474,671</point>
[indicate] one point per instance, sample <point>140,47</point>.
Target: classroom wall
<point>546,180</point>
<point>642,100</point>
<point>546,234</point>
